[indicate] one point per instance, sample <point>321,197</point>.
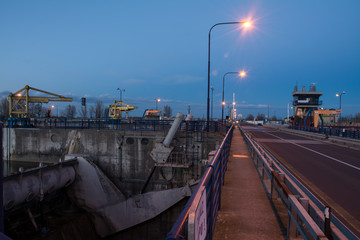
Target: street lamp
<point>121,90</point>
<point>212,95</point>
<point>156,102</point>
<point>50,111</point>
<point>245,24</point>
<point>339,95</point>
<point>241,74</point>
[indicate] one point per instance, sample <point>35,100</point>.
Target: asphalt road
<point>332,172</point>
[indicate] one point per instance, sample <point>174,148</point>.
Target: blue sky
<point>159,49</point>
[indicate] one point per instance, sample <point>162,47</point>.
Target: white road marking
<point>288,141</point>
<point>324,155</point>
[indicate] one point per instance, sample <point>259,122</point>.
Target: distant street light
<point>339,95</point>
<point>50,110</point>
<point>246,24</point>
<point>156,102</point>
<point>241,74</point>
<point>121,90</point>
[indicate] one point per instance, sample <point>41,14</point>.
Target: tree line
<point>260,117</point>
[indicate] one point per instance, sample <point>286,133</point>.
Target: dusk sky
<point>159,49</point>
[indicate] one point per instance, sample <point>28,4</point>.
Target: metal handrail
<point>339,131</point>
<point>212,180</point>
<point>136,124</point>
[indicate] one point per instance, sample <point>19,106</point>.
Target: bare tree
<point>357,118</point>
<point>92,112</point>
<point>83,112</point>
<point>249,117</point>
<point>70,111</point>
<point>260,117</point>
<point>273,118</point>
<point>167,111</point>
<point>4,108</point>
<point>36,110</point>
<point>98,111</point>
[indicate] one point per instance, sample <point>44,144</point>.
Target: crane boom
<point>19,101</point>
<point>116,109</point>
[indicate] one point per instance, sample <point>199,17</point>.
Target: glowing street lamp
<point>156,102</point>
<point>50,110</point>
<point>339,95</point>
<point>240,74</point>
<point>245,24</point>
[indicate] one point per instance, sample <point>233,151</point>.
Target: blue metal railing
<point>136,124</point>
<point>212,180</point>
<point>338,132</point>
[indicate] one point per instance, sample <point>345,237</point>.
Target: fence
<point>136,124</point>
<point>212,180</point>
<point>338,131</point>
<point>307,216</point>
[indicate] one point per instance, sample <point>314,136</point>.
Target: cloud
<point>114,74</point>
<point>4,93</point>
<point>133,81</point>
<point>184,79</point>
<point>250,106</point>
<point>123,79</point>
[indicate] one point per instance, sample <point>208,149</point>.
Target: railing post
<point>327,227</point>
<point>291,226</point>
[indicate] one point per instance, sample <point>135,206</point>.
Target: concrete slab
<point>245,211</point>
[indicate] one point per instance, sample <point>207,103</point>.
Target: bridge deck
<point>245,211</point>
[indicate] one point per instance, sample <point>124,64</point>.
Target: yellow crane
<point>19,101</point>
<point>118,107</point>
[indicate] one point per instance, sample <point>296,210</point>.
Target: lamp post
<point>156,102</point>
<point>50,110</point>
<point>339,95</point>
<point>121,90</point>
<point>212,95</point>
<point>241,74</point>
<point>1,179</point>
<point>246,24</point>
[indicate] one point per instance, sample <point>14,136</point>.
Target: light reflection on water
<point>13,166</point>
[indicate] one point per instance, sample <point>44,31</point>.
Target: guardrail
<point>135,124</point>
<point>212,180</point>
<point>306,215</point>
<point>339,131</point>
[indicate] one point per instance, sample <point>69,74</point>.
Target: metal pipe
<point>26,186</point>
<point>173,129</point>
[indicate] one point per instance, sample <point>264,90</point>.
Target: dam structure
<point>99,179</point>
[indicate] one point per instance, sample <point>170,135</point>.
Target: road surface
<point>332,172</point>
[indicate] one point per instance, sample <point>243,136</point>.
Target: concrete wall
<point>123,155</point>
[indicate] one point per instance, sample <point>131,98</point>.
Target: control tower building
<point>304,102</point>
